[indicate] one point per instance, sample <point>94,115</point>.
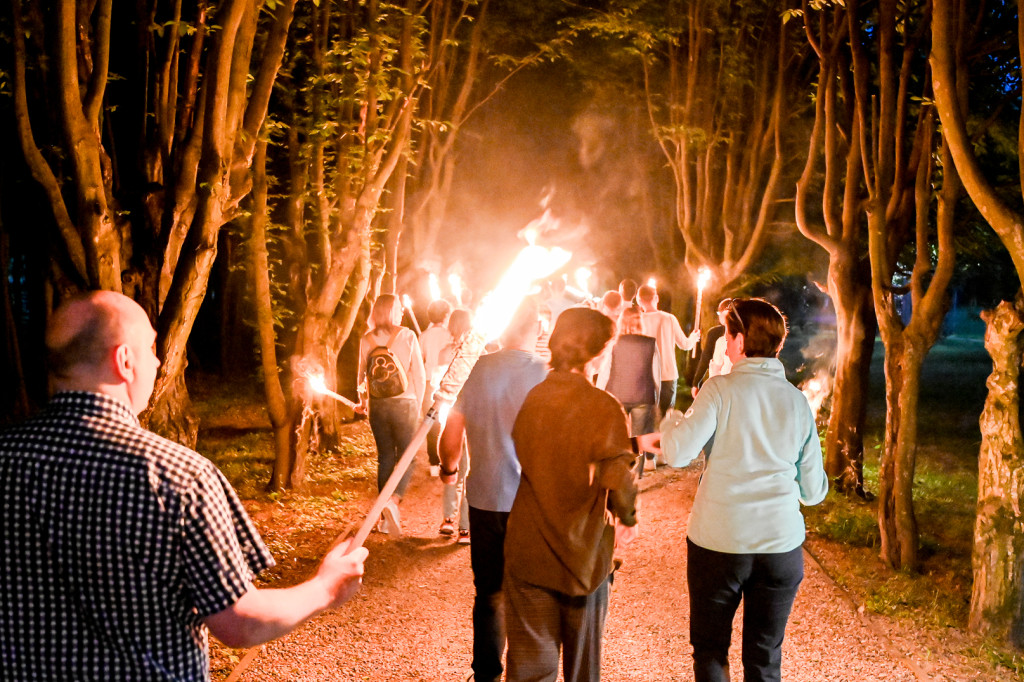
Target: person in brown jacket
<point>575,503</point>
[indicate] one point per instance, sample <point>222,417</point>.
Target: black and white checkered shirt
<point>116,543</point>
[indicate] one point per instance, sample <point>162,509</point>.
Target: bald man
<point>121,549</point>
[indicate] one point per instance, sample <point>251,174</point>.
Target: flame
<point>435,288</point>
<point>582,276</point>
<point>406,302</point>
<point>816,390</point>
<point>651,282</point>
<point>455,284</point>
<point>498,306</point>
<point>316,382</point>
<point>703,277</point>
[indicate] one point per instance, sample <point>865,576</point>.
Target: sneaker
<point>463,537</point>
<point>447,527</point>
<point>382,526</point>
<point>392,518</point>
<point>435,471</point>
<point>650,464</point>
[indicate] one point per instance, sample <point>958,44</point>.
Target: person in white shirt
<point>665,329</point>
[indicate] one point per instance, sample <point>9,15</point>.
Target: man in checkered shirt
<point>122,549</point>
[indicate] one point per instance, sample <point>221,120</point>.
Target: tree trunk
<point>855,344</point>
<point>997,598</point>
<point>896,519</point>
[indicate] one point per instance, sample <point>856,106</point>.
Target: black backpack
<point>385,376</point>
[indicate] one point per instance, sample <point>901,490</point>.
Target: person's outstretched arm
<point>265,614</point>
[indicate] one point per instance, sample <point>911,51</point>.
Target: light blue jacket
<point>763,461</point>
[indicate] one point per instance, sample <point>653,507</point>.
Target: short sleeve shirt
<point>489,401</point>
<point>116,544</point>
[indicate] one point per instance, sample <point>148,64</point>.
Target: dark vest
<point>630,376</point>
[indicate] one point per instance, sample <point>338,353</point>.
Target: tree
<point>839,229</point>
<point>141,172</point>
<point>998,555</point>
<point>346,115</point>
<point>897,138</point>
<point>721,81</point>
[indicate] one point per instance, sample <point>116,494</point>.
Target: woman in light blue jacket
<point>763,460</point>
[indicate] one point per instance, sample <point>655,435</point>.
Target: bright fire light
<point>435,288</point>
<point>498,306</point>
<point>651,282</point>
<point>455,284</point>
<point>406,302</point>
<point>816,390</point>
<point>703,277</point>
<point>582,276</point>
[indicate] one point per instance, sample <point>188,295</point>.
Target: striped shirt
<point>116,544</point>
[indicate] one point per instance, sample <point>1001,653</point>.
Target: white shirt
<point>665,329</point>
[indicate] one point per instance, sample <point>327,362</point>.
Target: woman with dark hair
<point>575,502</point>
<point>393,418</point>
<point>763,459</point>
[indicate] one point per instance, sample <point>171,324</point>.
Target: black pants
<point>767,583</point>
<point>487,558</point>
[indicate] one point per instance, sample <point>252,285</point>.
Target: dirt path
<point>411,620</point>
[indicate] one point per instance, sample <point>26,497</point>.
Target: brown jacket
<point>573,444</point>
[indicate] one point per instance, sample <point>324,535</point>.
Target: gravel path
<point>411,620</point>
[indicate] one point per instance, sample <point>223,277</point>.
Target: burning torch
<point>493,315</point>
<point>703,277</point>
<point>407,305</point>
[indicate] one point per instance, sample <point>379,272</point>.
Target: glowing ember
<point>435,288</point>
<point>455,284</point>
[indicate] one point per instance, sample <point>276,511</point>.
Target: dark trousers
<point>667,398</point>
<point>767,584</point>
<point>542,621</point>
<point>487,558</point>
<point>393,422</point>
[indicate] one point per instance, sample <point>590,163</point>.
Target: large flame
<point>498,306</point>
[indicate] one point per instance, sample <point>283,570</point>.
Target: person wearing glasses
<point>763,460</point>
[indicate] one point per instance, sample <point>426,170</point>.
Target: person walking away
<point>713,360</point>
<point>122,550</point>
<point>434,339</point>
<point>454,505</point>
<point>483,416</point>
<point>390,390</point>
<point>575,503</point>
<point>665,329</point>
<point>633,375</point>
<point>763,459</point>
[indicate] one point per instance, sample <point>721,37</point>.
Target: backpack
<point>385,376</point>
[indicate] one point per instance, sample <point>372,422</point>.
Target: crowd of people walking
<point>538,461</point>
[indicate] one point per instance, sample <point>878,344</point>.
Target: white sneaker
<point>435,470</point>
<point>392,518</point>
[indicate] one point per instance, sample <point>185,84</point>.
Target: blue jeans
<point>487,558</point>
<point>767,584</point>
<point>393,422</point>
